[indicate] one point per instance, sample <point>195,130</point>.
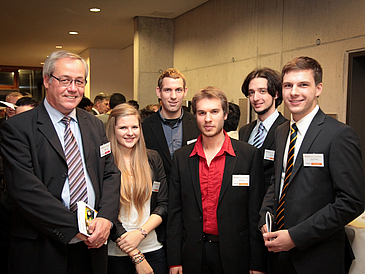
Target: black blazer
<point>240,242</point>
<point>320,201</point>
<point>36,169</point>
<point>155,138</point>
<point>158,199</point>
<point>244,135</point>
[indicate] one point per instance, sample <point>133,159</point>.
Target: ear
<point>318,89</point>
<point>225,116</point>
<point>158,92</point>
<point>46,82</point>
<point>276,95</point>
<point>185,91</point>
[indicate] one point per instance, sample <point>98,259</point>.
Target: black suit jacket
<point>36,169</point>
<point>155,138</point>
<point>158,199</point>
<point>240,242</point>
<point>244,135</point>
<point>320,201</point>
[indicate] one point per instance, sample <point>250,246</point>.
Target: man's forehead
<point>307,74</point>
<point>170,80</point>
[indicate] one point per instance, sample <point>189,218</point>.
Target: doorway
<point>356,97</point>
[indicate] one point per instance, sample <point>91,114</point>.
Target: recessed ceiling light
<point>42,63</point>
<point>73,33</point>
<point>58,47</point>
<point>94,9</point>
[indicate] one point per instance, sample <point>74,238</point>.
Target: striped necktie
<point>76,176</point>
<point>259,137</point>
<point>288,171</point>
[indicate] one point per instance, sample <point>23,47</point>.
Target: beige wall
<point>221,41</point>
<point>110,71</point>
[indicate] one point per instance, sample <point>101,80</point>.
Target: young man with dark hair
<point>263,89</point>
<point>318,183</point>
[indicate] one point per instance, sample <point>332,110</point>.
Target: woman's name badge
<point>240,180</point>
<point>155,186</point>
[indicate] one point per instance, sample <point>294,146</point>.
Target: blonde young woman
<point>143,198</point>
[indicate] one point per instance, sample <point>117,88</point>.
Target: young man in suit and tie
<point>170,127</point>
<point>318,185</point>
<point>263,89</point>
<point>54,156</point>
<point>215,194</point>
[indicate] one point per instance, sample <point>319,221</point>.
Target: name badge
<point>105,149</point>
<point>240,180</point>
<point>191,141</point>
<point>269,155</point>
<point>313,160</point>
<point>155,186</point>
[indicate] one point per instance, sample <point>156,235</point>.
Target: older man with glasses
<point>54,157</point>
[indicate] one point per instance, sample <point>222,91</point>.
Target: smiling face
<point>171,94</point>
<point>127,131</point>
<point>261,100</point>
<point>210,116</point>
<point>300,92</point>
<point>62,98</point>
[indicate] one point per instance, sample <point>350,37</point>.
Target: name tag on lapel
<point>105,149</point>
<point>313,160</point>
<point>240,180</point>
<point>156,186</point>
<point>191,141</point>
<point>269,155</point>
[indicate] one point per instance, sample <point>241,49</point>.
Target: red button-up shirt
<point>210,178</point>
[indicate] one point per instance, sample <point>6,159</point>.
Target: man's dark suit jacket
<point>154,137</point>
<point>36,169</point>
<point>244,135</point>
<point>320,201</point>
<point>240,242</point>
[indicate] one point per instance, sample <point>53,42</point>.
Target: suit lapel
<point>270,137</point>
<point>157,131</point>
<point>194,173</point>
<point>281,138</point>
<point>228,172</point>
<point>248,132</point>
<point>313,130</point>
<point>84,126</point>
<point>46,127</point>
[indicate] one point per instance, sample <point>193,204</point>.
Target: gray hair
<point>49,64</point>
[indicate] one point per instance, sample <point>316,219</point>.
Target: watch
<point>143,232</point>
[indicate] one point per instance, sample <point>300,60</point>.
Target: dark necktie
<point>288,171</point>
<point>76,176</point>
<point>259,137</point>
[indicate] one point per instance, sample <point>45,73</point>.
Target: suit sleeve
<point>29,194</point>
<point>345,170</point>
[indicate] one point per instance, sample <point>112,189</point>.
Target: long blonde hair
<point>136,188</point>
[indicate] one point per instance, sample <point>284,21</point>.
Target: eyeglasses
<point>66,82</point>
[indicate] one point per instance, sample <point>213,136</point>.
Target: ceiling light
<point>58,47</point>
<point>94,9</point>
<point>73,33</point>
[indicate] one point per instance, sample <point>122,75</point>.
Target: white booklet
<point>85,214</point>
<point>269,218</point>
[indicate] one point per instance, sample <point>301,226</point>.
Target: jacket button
<point>64,175</point>
<point>200,218</point>
<point>200,240</point>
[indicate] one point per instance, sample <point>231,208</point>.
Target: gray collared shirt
<point>173,132</point>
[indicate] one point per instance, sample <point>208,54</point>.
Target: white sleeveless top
<point>148,244</point>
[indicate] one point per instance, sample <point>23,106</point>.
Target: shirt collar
<point>269,121</point>
<point>226,147</point>
<point>55,115</point>
<point>164,120</point>
<point>303,124</point>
